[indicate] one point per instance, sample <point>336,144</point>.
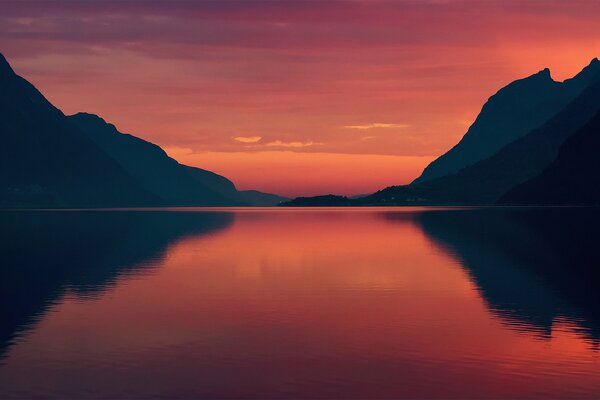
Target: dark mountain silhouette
<point>529,271</point>
<point>572,179</point>
<point>486,181</point>
<point>46,161</point>
<point>512,112</point>
<point>50,160</point>
<point>174,183</point>
<point>44,254</point>
<point>319,201</point>
<point>261,199</point>
<point>155,171</point>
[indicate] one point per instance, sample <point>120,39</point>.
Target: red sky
<point>294,97</point>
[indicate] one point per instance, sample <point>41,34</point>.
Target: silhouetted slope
<point>46,161</point>
<point>50,160</point>
<point>319,201</point>
<point>512,112</point>
<point>529,271</point>
<point>257,198</point>
<point>572,179</point>
<point>44,254</point>
<point>175,184</point>
<point>486,181</point>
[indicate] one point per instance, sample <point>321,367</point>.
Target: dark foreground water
<point>293,303</point>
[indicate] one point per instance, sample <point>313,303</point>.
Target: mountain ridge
<point>158,173</point>
<point>52,160</point>
<point>513,111</point>
<point>45,161</point>
<point>486,181</point>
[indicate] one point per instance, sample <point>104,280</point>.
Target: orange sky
<point>297,98</point>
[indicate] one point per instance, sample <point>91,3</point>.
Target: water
<point>300,303</point>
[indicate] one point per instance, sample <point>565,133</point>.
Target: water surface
<point>300,303</point>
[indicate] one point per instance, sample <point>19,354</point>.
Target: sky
<point>294,97</point>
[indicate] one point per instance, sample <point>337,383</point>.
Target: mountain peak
<point>589,74</point>
<point>545,73</point>
<point>5,67</point>
<point>594,65</point>
<point>542,77</point>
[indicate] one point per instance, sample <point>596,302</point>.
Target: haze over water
<point>300,303</point>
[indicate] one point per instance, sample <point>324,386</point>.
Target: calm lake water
<point>300,303</point>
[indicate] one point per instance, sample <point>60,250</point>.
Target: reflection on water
<point>532,266</point>
<point>45,254</point>
<point>334,303</point>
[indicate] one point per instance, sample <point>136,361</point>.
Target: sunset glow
<point>295,97</point>
<point>307,305</point>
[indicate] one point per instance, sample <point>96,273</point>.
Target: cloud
<point>365,138</point>
<point>376,125</point>
<point>247,139</point>
<point>279,143</point>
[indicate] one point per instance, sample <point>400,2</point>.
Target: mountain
<point>45,161</point>
<point>156,172</point>
<point>486,181</point>
<point>51,160</point>
<point>512,112</point>
<point>572,179</point>
<point>319,201</point>
<point>176,184</point>
<point>260,199</point>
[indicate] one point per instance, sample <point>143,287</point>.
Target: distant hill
<point>50,160</point>
<point>512,112</point>
<point>572,179</point>
<point>156,172</point>
<point>319,201</point>
<point>176,184</point>
<point>260,199</point>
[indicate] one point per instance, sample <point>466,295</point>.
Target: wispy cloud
<point>248,139</point>
<point>365,138</point>
<point>375,125</point>
<point>279,143</point>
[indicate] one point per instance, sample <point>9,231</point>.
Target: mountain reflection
<point>45,254</point>
<point>532,266</point>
